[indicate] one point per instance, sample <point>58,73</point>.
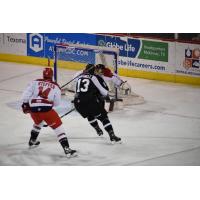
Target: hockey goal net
<point>77,56</point>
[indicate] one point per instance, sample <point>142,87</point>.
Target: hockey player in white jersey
<point>107,75</point>
<point>39,99</point>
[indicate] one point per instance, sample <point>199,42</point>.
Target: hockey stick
<point>67,90</point>
<point>85,71</point>
<point>68,112</point>
<point>71,81</point>
<point>45,125</point>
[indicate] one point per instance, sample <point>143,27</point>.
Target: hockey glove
<point>26,108</point>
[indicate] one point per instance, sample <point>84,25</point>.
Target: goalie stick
<point>45,125</point>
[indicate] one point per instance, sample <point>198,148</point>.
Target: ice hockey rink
<point>165,130</point>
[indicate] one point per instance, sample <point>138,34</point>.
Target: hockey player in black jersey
<point>90,89</point>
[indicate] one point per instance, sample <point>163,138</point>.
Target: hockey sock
<point>35,132</point>
<point>62,138</point>
<point>64,142</point>
<point>107,125</point>
<point>34,135</point>
<point>93,122</point>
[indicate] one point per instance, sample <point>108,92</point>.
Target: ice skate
<point>33,143</point>
<point>70,153</point>
<point>114,139</point>
<point>99,132</point>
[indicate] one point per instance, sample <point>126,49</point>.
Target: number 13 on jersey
<point>82,85</point>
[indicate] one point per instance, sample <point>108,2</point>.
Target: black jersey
<point>102,82</point>
<point>88,86</point>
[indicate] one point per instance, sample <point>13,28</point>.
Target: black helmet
<point>90,68</point>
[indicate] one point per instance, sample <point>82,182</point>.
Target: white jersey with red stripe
<point>42,94</point>
<point>117,81</point>
<point>107,75</point>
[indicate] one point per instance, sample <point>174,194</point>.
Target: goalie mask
<point>100,69</point>
<point>48,73</point>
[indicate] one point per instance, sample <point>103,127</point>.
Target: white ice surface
<point>165,130</point>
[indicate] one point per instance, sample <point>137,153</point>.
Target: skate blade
<point>33,146</point>
<point>101,136</point>
<point>71,156</point>
<point>114,142</point>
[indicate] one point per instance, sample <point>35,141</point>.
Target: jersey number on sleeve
<point>44,94</point>
<point>84,86</point>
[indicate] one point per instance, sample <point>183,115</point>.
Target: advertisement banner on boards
<point>140,54</point>
<point>127,47</point>
<point>35,44</point>
<point>42,44</point>
<point>188,59</point>
<point>136,48</point>
<point>152,50</point>
<point>154,56</point>
<point>13,43</point>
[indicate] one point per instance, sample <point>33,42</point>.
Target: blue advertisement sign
<point>35,44</point>
<point>127,47</point>
<point>75,54</point>
<point>42,44</point>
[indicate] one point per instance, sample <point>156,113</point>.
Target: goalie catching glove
<point>26,108</point>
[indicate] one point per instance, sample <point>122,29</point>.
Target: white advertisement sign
<point>188,59</point>
<point>152,55</point>
<point>13,43</point>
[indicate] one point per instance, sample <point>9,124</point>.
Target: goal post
<point>84,54</point>
<point>79,53</point>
